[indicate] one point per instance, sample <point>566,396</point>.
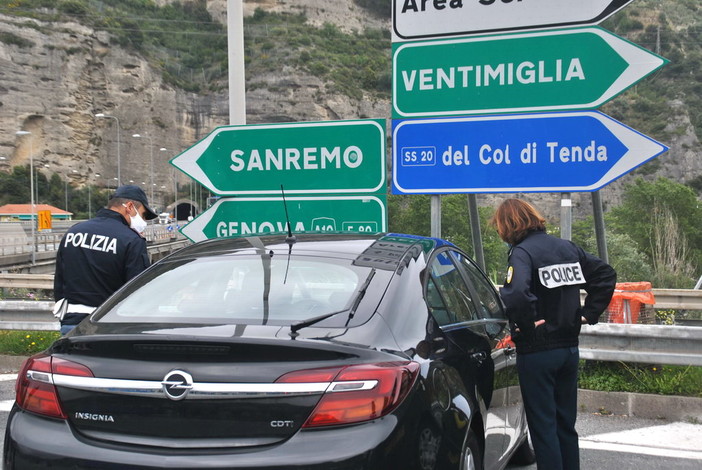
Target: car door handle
<point>510,351</point>
<point>478,357</point>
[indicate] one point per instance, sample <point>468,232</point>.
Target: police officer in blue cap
<point>98,256</point>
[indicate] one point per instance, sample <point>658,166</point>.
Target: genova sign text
<point>248,216</point>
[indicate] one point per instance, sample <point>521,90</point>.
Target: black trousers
<point>549,385</point>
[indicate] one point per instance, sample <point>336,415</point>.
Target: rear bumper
<point>35,442</point>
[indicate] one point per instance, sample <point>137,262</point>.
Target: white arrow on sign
<point>440,77</point>
<point>577,151</point>
<point>253,216</point>
<point>414,19</point>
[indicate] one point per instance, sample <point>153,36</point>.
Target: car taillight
<point>35,390</point>
<point>357,393</point>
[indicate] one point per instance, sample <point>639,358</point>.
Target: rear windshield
<point>237,289</point>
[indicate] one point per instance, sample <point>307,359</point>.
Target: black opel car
<point>311,352</point>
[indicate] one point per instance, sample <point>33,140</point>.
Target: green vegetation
<point>351,63</point>
<point>82,202</point>
<point>380,8</point>
<point>26,343</point>
<point>14,189</point>
<point>14,40</point>
<point>180,39</point>
<point>653,379</point>
<point>663,219</point>
<point>22,293</point>
<point>190,48</point>
<point>654,235</point>
<point>411,214</point>
<point>670,28</point>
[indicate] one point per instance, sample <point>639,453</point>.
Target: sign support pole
<point>566,216</point>
<point>475,230</point>
<point>235,43</point>
<point>598,214</point>
<point>436,215</point>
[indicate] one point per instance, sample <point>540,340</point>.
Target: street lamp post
<point>97,175</point>
<point>175,184</point>
<point>151,170</point>
<point>36,177</point>
<point>31,190</point>
<point>66,175</point>
<point>119,163</point>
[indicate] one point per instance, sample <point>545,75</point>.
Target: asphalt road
<point>612,442</point>
<point>606,442</point>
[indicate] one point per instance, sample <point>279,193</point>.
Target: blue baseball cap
<point>135,193</point>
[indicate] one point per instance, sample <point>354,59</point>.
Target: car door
<point>453,303</point>
<point>507,396</point>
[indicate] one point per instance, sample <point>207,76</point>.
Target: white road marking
<point>6,405</point>
<point>639,449</point>
<point>677,440</point>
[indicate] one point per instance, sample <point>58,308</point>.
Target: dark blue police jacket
<point>96,258</point>
<point>543,282</point>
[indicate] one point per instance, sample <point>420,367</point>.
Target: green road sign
<point>241,217</point>
<point>539,71</point>
<point>334,157</point>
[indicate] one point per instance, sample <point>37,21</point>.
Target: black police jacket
<point>96,258</point>
<point>544,279</point>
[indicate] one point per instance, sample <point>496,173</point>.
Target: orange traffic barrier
<point>627,301</point>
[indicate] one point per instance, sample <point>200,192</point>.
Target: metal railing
<point>27,315</point>
<point>160,244</point>
<point>685,299</point>
<point>13,245</point>
<point>19,245</point>
<point>656,344</point>
<point>27,281</point>
<point>653,344</point>
<point>649,344</point>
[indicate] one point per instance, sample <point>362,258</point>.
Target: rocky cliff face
<point>54,78</point>
<point>61,75</point>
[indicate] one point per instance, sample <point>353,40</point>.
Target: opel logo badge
<point>177,384</point>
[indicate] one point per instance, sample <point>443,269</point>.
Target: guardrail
<point>29,315</point>
<point>649,344</point>
<point>685,299</point>
<point>28,281</point>
<point>43,242</point>
<point>161,245</point>
<point>49,241</point>
<point>658,344</point>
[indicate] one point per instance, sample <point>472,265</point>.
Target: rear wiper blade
<point>305,323</point>
<point>359,296</point>
<point>295,327</point>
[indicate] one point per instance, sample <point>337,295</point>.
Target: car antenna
<point>290,239</point>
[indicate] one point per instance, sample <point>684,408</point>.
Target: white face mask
<point>137,224</point>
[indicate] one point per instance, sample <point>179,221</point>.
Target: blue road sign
<point>548,152</point>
